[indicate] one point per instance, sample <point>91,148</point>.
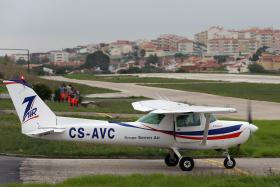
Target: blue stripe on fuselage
<point>211,131</point>
<point>190,133</point>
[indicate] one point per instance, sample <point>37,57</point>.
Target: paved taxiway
<point>261,109</point>
<point>267,79</point>
<point>9,169</point>
<point>14,169</point>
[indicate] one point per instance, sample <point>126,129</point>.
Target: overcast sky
<point>42,25</point>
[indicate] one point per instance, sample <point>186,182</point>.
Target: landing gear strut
<point>174,157</point>
<point>229,161</point>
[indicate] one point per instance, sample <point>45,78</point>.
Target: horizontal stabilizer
<point>42,132</point>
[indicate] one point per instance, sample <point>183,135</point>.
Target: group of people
<point>67,93</point>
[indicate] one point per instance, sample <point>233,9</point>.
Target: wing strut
<point>174,127</point>
<point>205,134</point>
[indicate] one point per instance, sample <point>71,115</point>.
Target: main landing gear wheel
<point>171,161</point>
<point>229,163</point>
<point>186,163</point>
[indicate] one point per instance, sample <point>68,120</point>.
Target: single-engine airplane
<point>171,125</point>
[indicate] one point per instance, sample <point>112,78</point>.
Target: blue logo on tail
<point>30,112</point>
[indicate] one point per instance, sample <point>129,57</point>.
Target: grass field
<point>254,91</point>
<point>265,143</point>
<point>158,180</point>
<point>12,71</point>
<point>127,79</point>
<point>2,89</point>
<point>84,89</point>
<point>106,106</point>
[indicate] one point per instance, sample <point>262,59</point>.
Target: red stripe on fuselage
<point>6,83</point>
<point>221,137</point>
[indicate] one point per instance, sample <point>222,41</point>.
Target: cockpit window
<point>152,118</point>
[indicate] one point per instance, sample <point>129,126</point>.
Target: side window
<point>187,120</point>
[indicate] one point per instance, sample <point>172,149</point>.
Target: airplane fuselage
<point>222,134</point>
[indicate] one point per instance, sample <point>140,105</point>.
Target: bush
<point>57,95</point>
<point>256,68</point>
<point>43,91</point>
<point>180,70</point>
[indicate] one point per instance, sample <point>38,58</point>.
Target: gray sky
<point>54,24</point>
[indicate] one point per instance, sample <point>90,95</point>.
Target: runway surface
<point>267,79</point>
<point>9,169</point>
<point>55,170</point>
<point>261,109</point>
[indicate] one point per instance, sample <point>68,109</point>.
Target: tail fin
<point>33,113</point>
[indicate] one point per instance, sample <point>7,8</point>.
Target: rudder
<point>33,113</point>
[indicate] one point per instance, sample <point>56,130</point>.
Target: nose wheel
<point>229,161</point>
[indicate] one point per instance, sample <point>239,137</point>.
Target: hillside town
<point>214,50</point>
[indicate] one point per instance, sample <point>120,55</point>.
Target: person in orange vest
<point>62,92</point>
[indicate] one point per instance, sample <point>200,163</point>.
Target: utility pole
<point>28,55</point>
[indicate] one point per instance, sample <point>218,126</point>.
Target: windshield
<point>152,118</point>
<point>212,118</point>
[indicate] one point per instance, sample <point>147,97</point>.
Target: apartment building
<point>58,56</point>
<point>222,46</point>
<point>171,42</point>
<point>222,41</point>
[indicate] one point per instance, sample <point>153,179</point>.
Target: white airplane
<point>171,125</point>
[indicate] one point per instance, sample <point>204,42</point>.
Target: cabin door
<point>188,127</point>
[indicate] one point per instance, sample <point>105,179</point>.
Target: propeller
<point>252,127</point>
<point>249,112</point>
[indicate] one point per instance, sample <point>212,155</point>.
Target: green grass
<point>265,143</point>
<point>254,91</point>
<point>127,79</point>
<point>12,71</point>
<point>159,180</point>
<point>84,89</point>
<point>3,90</point>
<point>106,106</point>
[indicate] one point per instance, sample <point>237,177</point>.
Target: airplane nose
<point>253,128</point>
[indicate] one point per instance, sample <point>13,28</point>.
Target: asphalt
<point>262,110</point>
<point>266,79</point>
<point>10,170</point>
<point>48,170</point>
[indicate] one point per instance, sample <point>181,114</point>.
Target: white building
<point>186,46</point>
<point>240,66</point>
<point>59,56</point>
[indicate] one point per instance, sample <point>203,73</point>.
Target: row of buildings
<point>221,41</point>
<point>198,53</point>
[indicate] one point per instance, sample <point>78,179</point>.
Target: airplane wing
<point>150,105</point>
<point>47,131</point>
<point>170,107</point>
